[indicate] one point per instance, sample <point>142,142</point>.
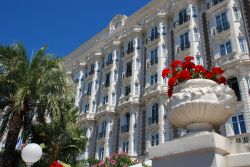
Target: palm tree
<point>30,88</point>
<point>62,138</point>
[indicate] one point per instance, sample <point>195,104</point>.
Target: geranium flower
<point>217,70</point>
<point>171,82</point>
<point>170,92</point>
<point>184,75</point>
<point>222,80</point>
<point>189,58</point>
<point>209,75</point>
<point>166,72</point>
<point>187,65</point>
<point>175,63</point>
<point>199,69</point>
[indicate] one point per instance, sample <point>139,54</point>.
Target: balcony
<point>101,135</point>
<point>151,41</point>
<point>128,54</point>
<point>127,76</point>
<point>127,100</point>
<point>182,24</point>
<point>241,138</point>
<point>152,63</point>
<point>152,121</point>
<point>183,50</point>
<point>214,5</point>
<point>125,128</point>
<point>221,33</point>
<point>86,117</point>
<point>108,64</point>
<point>105,109</point>
<point>105,86</point>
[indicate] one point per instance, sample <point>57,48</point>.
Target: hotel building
<point>121,95</point>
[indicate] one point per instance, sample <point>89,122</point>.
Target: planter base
<point>199,127</point>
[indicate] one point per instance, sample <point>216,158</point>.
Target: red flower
<point>199,69</point>
<point>171,82</point>
<point>184,75</point>
<point>189,58</point>
<point>217,70</point>
<point>222,80</point>
<point>209,75</point>
<point>175,63</point>
<point>165,72</point>
<point>170,92</point>
<point>187,65</point>
<point>56,164</point>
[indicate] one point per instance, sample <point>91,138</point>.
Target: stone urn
<point>201,105</point>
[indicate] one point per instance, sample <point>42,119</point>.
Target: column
<point>131,134</point>
<point>161,120</point>
<point>78,90</point>
<point>106,144</point>
<point>245,97</point>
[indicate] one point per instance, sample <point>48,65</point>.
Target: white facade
<point>120,92</point>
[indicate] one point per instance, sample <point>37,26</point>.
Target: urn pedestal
<point>201,105</point>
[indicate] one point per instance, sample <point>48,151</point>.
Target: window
<point>164,30</point>
<point>105,100</point>
<point>233,83</point>
<point>193,11</point>
<point>86,109</point>
<point>110,59</point>
<point>154,57</point>
<point>239,125</point>
<point>127,90</point>
<point>129,69</point>
<point>155,140</point>
<point>125,147</point>
<point>154,79</point>
<point>248,84</point>
<point>115,75</point>
<point>113,98</point>
<point>225,49</point>
<point>101,153</point>
<point>242,45</point>
<point>236,14</point>
<point>222,23</point>
<point>154,115</point>
<point>107,82</point>
<point>198,60</point>
<point>94,106</point>
<point>136,89</point>
<point>184,41</point>
<point>196,35</point>
<point>183,16</point>
<point>154,33</point>
<point>92,69</point>
<point>89,89</point>
<point>130,47</point>
<point>96,84</point>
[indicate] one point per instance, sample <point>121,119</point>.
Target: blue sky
<point>63,25</point>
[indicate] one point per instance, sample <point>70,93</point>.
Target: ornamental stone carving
<point>201,104</point>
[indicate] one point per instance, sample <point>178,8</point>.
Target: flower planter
<point>201,105</point>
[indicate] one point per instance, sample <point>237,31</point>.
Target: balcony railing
<point>185,47</point>
<point>107,84</point>
<point>124,128</point>
<point>224,27</point>
<point>213,3</point>
<point>182,21</point>
<point>154,37</point>
<point>109,62</point>
<point>101,135</point>
<point>152,121</point>
<point>241,138</point>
